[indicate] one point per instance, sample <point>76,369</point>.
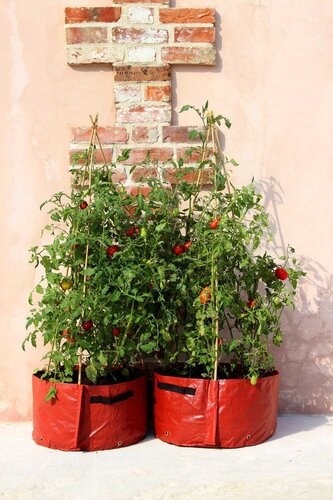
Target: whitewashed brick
<point>140,15</point>
<point>127,93</point>
<point>141,55</point>
<point>93,53</point>
<point>143,114</point>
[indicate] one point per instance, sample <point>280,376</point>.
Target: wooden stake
<point>91,163</point>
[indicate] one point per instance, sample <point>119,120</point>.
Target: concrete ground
<point>296,463</point>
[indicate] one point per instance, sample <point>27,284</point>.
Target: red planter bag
<point>89,418</point>
<point>215,413</point>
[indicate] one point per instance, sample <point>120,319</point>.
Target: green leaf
<point>125,154</point>
<point>39,289</point>
<point>189,151</point>
<point>160,227</point>
<point>88,272</point>
<point>91,373</point>
<point>193,134</point>
<point>52,394</point>
<point>185,108</point>
<point>102,359</point>
<point>234,163</point>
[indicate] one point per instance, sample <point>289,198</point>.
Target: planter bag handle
<point>176,388</point>
<point>110,401</point>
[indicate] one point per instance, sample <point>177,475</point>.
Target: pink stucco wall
<point>274,79</point>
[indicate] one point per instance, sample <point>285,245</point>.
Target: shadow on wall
<point>305,360</point>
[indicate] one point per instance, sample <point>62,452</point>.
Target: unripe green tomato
<point>66,284</point>
<point>143,233</point>
<point>253,379</point>
<point>175,212</point>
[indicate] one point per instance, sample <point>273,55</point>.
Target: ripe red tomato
<point>205,295</point>
<point>75,245</point>
<point>215,223</point>
<point>112,250</point>
<point>115,332</point>
<point>83,205</point>
<point>251,303</point>
<point>87,325</point>
<point>178,249</point>
<point>281,273</point>
<point>130,232</point>
<point>187,245</point>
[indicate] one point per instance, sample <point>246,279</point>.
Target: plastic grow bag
<point>215,413</point>
<point>89,418</point>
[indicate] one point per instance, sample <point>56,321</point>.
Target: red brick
<point>138,35</point>
<point>178,135</point>
<point>195,35</point>
<point>140,155</point>
<point>143,114</point>
<point>142,73</point>
<point>97,14</point>
<point>107,135</point>
<point>158,93</point>
<point>135,191</point>
<point>194,157</point>
<point>144,134</point>
<point>86,35</point>
<point>98,156</point>
<point>189,55</point>
<point>166,2</point>
<point>118,176</point>
<point>170,175</point>
<point>141,174</point>
<point>187,15</point>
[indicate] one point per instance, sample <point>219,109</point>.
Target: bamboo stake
<point>91,162</point>
<point>215,277</point>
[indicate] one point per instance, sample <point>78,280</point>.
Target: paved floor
<point>296,463</point>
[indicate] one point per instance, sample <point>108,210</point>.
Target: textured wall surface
<point>273,78</point>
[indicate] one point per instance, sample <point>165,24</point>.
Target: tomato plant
<point>218,304</point>
<point>93,308</point>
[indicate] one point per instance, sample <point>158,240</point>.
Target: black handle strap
<point>176,388</point>
<point>110,401</point>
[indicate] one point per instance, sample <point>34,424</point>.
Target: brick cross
<point>141,39</point>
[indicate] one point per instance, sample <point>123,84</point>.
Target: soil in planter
<point>225,371</point>
<point>115,376</point>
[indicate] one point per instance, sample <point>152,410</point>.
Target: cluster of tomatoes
<point>86,326</point>
<point>130,232</point>
<point>179,249</point>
